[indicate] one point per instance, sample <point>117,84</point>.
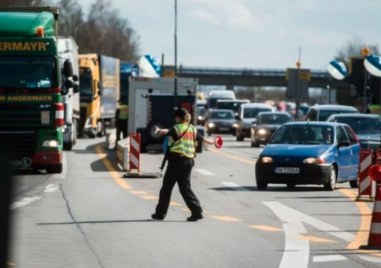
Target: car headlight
<point>313,160</point>
<point>211,124</point>
<point>266,159</point>
<point>262,131</point>
<point>235,125</point>
<point>50,143</point>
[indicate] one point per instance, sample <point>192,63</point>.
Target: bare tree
<point>352,49</point>
<point>23,3</point>
<point>106,32</point>
<point>70,18</point>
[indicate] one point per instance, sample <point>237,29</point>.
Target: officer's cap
<point>181,113</point>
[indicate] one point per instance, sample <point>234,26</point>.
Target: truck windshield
<point>85,81</point>
<point>27,73</point>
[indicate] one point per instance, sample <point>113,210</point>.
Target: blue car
<point>310,153</point>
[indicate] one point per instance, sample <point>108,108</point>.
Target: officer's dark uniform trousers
<point>178,170</point>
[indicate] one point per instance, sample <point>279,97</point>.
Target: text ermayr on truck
<point>31,107</point>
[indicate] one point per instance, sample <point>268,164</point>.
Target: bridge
<point>252,77</point>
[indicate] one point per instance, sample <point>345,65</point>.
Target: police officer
<point>182,139</point>
<point>121,117</point>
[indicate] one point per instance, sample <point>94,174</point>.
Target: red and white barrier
<point>374,241</point>
<point>134,153</point>
<point>366,185</point>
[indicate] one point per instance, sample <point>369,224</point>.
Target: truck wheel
<point>67,146</point>
<point>54,169</point>
<point>92,133</point>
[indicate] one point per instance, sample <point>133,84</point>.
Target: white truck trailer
<point>151,103</point>
<point>68,52</point>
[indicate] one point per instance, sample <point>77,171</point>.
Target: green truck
<point>31,107</point>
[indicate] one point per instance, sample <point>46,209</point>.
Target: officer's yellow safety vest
<point>186,145</point>
<point>123,111</point>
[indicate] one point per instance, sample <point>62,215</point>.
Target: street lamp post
<point>365,52</point>
<point>297,93</point>
<point>175,57</point>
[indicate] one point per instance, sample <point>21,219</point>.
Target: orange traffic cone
<point>374,240</point>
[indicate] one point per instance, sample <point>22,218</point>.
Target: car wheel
<point>331,184</point>
<point>261,185</point>
<point>353,184</point>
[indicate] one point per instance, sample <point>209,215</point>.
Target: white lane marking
<point>370,258</point>
<point>234,186</point>
<point>292,215</point>
<point>204,172</point>
<point>328,258</point>
<point>296,252</point>
<point>25,201</point>
<point>62,175</point>
<point>296,249</point>
<point>51,188</point>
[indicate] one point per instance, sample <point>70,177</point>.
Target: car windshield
<point>362,125</point>
<point>273,119</point>
<point>230,105</point>
<point>303,134</point>
<point>324,114</point>
<point>222,115</point>
<point>253,112</point>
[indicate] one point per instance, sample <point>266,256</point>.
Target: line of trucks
<point>50,94</point>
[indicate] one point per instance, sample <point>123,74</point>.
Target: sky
<point>252,34</point>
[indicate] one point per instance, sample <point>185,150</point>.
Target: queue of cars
<point>324,149</point>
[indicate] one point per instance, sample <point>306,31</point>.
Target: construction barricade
<point>128,156</point>
<point>374,241</point>
<point>366,186</point>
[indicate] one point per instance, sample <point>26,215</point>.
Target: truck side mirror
<point>75,88</point>
<point>67,68</point>
<point>99,86</point>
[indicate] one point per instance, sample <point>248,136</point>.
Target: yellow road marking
<point>114,174</point>
<point>138,192</point>
<point>149,197</point>
<point>266,228</point>
<point>363,232</point>
<point>226,218</point>
<point>316,239</point>
<point>175,204</point>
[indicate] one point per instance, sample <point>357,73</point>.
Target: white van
<point>219,94</point>
<point>247,115</point>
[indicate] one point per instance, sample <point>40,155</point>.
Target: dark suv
<point>320,112</point>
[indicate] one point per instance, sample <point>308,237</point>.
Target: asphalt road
<point>90,216</point>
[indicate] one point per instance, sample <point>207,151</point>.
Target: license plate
<point>224,128</point>
<point>287,170</point>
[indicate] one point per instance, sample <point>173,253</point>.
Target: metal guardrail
<point>244,72</point>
